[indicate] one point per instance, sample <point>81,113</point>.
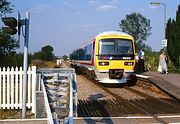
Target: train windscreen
<point>115,47</point>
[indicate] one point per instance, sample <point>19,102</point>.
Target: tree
<point>65,57</point>
<point>46,54</point>
<point>36,55</point>
<point>138,26</point>
<point>8,46</point>
<point>5,7</point>
<point>173,38</point>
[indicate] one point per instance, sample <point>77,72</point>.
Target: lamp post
<point>158,4</point>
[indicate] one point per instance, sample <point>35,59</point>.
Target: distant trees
<point>173,38</point>
<point>46,54</point>
<point>65,57</point>
<point>138,26</point>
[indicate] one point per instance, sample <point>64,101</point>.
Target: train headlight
<point>103,63</point>
<point>128,63</point>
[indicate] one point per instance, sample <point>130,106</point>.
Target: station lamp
<point>163,4</point>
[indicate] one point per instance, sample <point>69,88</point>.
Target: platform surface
<point>170,83</point>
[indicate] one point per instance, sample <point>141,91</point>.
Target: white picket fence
<point>11,88</point>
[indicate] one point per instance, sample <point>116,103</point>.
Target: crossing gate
<point>60,94</point>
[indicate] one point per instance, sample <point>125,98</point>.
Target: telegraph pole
<point>10,27</point>
<point>25,66</point>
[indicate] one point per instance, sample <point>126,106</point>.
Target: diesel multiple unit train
<point>108,57</point>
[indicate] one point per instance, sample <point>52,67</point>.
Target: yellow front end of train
<point>114,57</point>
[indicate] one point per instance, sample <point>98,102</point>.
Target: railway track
<point>171,102</point>
<point>119,106</point>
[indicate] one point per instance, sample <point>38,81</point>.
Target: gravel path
<point>125,93</point>
<point>88,90</point>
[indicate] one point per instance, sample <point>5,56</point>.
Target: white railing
<point>11,83</point>
<point>71,103</point>
<point>57,75</point>
<point>48,109</point>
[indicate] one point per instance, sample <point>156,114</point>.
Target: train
<point>108,57</point>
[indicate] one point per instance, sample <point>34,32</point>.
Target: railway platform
<point>170,83</point>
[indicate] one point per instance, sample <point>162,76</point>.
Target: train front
<point>114,57</point>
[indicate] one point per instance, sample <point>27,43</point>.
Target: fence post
<point>21,88</point>
<point>16,88</point>
<point>8,88</point>
<point>4,88</point>
<point>12,88</point>
<point>34,80</point>
<point>29,88</point>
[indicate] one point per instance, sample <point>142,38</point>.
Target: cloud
<point>106,7</point>
<point>40,8</point>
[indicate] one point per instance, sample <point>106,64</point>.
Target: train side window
<point>89,51</point>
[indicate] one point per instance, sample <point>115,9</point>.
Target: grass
<point>172,69</point>
<point>47,64</point>
<point>14,114</point>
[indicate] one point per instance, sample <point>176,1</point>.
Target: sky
<point>68,24</point>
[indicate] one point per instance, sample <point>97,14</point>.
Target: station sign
<point>164,42</point>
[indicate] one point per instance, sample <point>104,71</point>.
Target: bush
<point>152,61</point>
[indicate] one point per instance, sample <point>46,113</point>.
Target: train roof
<point>113,33</point>
<point>105,33</point>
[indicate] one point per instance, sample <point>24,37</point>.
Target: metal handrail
<point>48,110</point>
<point>71,103</point>
<point>56,70</point>
<point>70,73</point>
<point>73,76</point>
